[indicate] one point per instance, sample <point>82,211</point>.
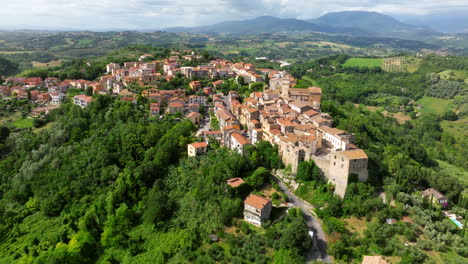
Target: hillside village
<point>287,117</point>
<point>280,114</point>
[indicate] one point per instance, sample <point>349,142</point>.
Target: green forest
<point>105,184</point>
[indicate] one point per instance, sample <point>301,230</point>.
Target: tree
<point>287,256</point>
<point>240,80</point>
<point>4,133</point>
<point>89,91</point>
<point>258,177</point>
<point>450,115</point>
<point>307,171</point>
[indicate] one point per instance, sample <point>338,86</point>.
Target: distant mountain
<point>265,24</point>
<point>372,22</point>
<point>448,22</point>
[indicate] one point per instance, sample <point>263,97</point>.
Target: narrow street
<point>319,251</point>
<point>204,126</point>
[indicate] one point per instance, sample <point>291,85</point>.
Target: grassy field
<point>456,74</point>
<point>456,128</point>
<point>23,123</point>
<point>16,52</point>
<point>363,62</point>
<point>47,64</point>
<point>432,105</point>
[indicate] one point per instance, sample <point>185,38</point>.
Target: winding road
<point>319,251</point>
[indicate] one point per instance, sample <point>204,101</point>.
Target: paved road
<point>205,125</point>
<point>319,251</point>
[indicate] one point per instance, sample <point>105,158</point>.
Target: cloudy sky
<point>158,14</point>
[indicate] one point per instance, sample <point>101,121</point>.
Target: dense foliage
<point>7,67</point>
<point>106,184</point>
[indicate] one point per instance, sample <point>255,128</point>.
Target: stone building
<point>257,209</point>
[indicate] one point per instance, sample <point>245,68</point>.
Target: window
<point>341,165</point>
<point>334,163</point>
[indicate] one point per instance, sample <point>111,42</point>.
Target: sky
<point>159,14</point>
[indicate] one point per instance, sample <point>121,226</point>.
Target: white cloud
<point>146,14</point>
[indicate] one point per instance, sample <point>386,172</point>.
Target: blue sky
<point>158,14</point>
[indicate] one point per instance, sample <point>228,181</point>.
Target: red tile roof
<point>235,182</point>
<point>240,138</point>
<point>256,201</point>
<point>175,105</point>
<point>199,145</point>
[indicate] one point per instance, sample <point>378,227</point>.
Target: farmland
<point>432,105</point>
<point>363,62</point>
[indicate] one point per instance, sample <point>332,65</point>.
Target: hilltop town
<point>164,124</point>
<point>280,114</point>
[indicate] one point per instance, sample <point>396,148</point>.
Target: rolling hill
<point>372,22</point>
<point>356,23</point>
<point>265,24</point>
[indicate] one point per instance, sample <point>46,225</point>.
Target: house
<point>197,149</point>
<point>32,81</point>
<point>214,135</point>
<point>56,97</point>
<point>373,260</point>
<point>217,84</point>
<point>194,117</point>
<point>208,90</point>
<point>257,209</point>
<point>238,142</point>
<point>154,109</point>
<point>435,195</point>
<point>43,110</point>
<point>235,182</point>
<point>128,99</point>
<point>43,97</point>
<point>34,94</point>
<point>195,85</point>
<point>197,99</point>
<point>82,100</point>
<point>111,66</point>
<point>175,107</point>
<point>4,91</point>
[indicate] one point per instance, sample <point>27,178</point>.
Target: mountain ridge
<point>361,23</point>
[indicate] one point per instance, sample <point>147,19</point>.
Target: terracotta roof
<point>194,114</point>
<point>354,154</point>
<point>236,127</point>
<point>433,192</point>
<point>315,90</point>
<point>373,260</point>
<point>127,99</point>
<point>175,104</point>
<point>234,182</point>
<point>256,201</point>
<point>285,122</point>
<point>332,131</point>
<point>310,113</point>
<point>83,97</point>
<point>199,145</point>
<point>240,138</point>
<point>275,132</point>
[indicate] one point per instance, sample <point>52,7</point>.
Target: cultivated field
<point>432,105</point>
<point>363,62</point>
<point>401,64</point>
<point>393,64</point>
<point>47,64</point>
